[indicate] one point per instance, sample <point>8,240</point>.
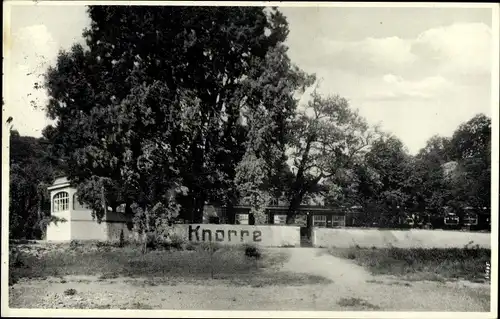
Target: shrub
<point>209,246</point>
<point>70,292</point>
<point>74,244</point>
<point>122,239</point>
<point>13,280</point>
<point>176,241</point>
<point>253,252</point>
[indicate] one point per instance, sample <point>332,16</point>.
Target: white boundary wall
<point>414,238</point>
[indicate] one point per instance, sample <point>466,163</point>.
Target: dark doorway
<point>305,232</point>
<point>251,219</point>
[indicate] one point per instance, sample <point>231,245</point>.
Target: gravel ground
<point>353,288</point>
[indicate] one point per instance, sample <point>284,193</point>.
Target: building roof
<point>60,182</point>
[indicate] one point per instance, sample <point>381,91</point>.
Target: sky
<point>416,72</point>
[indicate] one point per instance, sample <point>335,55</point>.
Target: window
<point>60,202</point>
<point>338,221</point>
<point>77,205</point>
<point>470,219</point>
<point>279,219</point>
<point>242,219</point>
<point>274,202</point>
<point>319,221</point>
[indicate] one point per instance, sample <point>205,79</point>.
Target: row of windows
<point>60,202</point>
<point>318,220</point>
<point>276,202</point>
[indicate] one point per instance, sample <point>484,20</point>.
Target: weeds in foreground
<point>91,259</point>
<point>421,264</point>
<point>140,305</point>
<point>357,303</point>
<point>235,265</point>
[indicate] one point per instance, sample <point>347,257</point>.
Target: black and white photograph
<point>250,159</point>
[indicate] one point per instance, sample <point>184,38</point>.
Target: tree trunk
<point>197,210</point>
<point>293,208</point>
<point>230,216</point>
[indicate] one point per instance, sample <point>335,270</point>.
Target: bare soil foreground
<point>304,279</point>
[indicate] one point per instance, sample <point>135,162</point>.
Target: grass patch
<point>234,265</point>
<point>390,283</point>
<point>421,264</point>
<point>357,303</point>
<point>282,278</point>
<point>140,305</point>
<point>198,263</point>
<point>112,275</point>
<point>261,279</point>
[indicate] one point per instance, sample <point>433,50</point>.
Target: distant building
<point>311,213</point>
<point>79,224</point>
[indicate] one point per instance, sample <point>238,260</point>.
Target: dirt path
<point>353,288</point>
<point>317,261</point>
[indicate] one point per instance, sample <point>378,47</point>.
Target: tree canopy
<point>172,95</point>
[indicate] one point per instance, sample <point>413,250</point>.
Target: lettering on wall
<point>220,235</point>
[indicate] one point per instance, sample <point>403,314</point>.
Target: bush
<point>204,246</point>
<point>70,292</point>
<point>253,252</point>
<point>74,244</point>
<point>122,239</point>
<point>176,241</point>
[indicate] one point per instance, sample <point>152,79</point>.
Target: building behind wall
<point>79,223</point>
<point>309,214</point>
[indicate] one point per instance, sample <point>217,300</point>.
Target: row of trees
<point>450,172</point>
<point>167,108</point>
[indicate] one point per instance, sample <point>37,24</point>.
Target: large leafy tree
<point>155,100</point>
<point>327,136</point>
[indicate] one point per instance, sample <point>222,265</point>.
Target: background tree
<point>390,159</point>
<point>31,172</point>
<point>378,182</point>
<point>471,149</point>
<point>455,171</point>
<point>430,187</point>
